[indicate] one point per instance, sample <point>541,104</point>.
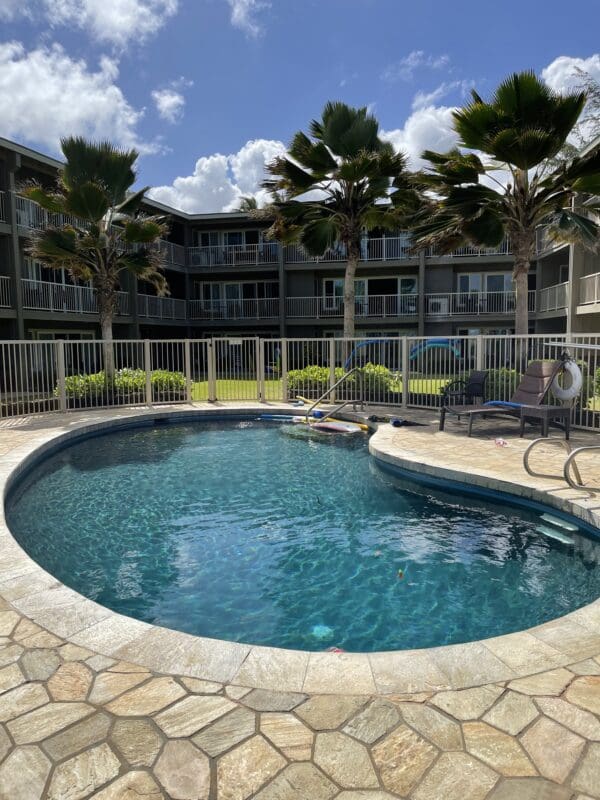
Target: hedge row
<point>126,382</point>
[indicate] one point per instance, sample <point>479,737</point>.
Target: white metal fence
<point>401,372</point>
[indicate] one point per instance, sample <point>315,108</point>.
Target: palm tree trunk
<point>521,303</point>
<point>523,250</point>
<point>349,304</point>
<point>106,305</point>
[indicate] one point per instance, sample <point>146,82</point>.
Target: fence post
<point>260,370</point>
<point>212,383</point>
<point>284,370</point>
<point>188,370</point>
<point>405,371</point>
<point>61,374</point>
<point>148,369</point>
<point>479,352</point>
<point>332,368</point>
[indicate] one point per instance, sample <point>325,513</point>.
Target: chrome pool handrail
<point>570,462</point>
<point>567,447</point>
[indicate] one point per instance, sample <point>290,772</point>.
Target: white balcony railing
<point>384,305</point>
<point>503,249</point>
<point>553,298</point>
<point>589,289</point>
<point>65,298</point>
<point>33,216</point>
<point>234,255</point>
<point>2,206</point>
<point>473,303</point>
<point>544,243</point>
<point>172,253</point>
<point>4,292</point>
<point>390,248</point>
<point>149,305</point>
<point>262,308</point>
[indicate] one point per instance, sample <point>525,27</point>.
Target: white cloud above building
<point>45,95</point>
<point>219,181</point>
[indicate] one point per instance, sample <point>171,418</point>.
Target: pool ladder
<point>569,466</point>
<point>354,403</point>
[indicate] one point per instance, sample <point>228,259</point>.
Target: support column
<point>576,270</point>
<point>282,292</point>
<point>15,263</point>
<point>421,295</point>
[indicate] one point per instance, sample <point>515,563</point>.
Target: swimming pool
<point>252,532</point>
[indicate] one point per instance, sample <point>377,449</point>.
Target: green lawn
<point>246,389</point>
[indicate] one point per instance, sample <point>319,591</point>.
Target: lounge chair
<point>531,391</point>
<point>467,390</point>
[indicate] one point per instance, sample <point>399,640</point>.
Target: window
<point>208,238</point>
<point>234,238</point>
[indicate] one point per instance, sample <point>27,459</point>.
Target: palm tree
<point>519,132</point>
<point>335,184</point>
<point>247,204</point>
<point>107,235</point>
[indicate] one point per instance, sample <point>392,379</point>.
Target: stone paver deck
<point>93,705</point>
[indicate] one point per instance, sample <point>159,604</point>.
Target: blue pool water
<point>252,532</point>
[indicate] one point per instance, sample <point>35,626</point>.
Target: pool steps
<point>560,523</point>
<point>553,533</point>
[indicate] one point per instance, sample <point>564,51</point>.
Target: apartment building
<point>227,279</point>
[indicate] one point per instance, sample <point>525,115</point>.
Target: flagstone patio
<point>97,712</point>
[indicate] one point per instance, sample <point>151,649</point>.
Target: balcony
<point>5,292</point>
<point>589,289</point>
<point>380,306</point>
<point>234,255</point>
<point>553,298</point>
<point>263,308</point>
<point>65,298</point>
<point>2,206</point>
<point>473,304</point>
<point>33,217</point>
<point>149,305</point>
<point>503,249</point>
<point>392,248</point>
<point>172,253</point>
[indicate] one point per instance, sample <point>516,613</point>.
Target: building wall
<point>438,275</point>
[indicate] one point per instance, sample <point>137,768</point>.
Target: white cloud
<point>428,128</point>
<point>564,73</point>
<point>219,181</point>
<point>169,104</point>
<point>405,69</point>
<point>11,9</point>
<point>113,22</point>
<point>424,99</point>
<point>45,94</point>
<point>244,15</point>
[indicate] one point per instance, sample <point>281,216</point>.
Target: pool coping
<point>65,613</point>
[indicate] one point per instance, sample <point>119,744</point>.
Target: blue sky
<point>209,90</point>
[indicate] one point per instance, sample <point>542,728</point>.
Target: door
<point>233,301</point>
<point>497,299</point>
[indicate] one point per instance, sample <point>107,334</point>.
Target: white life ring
<point>572,390</point>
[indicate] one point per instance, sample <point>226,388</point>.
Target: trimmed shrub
<point>127,383</point>
<point>313,381</point>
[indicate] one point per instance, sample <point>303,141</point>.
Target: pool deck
<point>96,705</point>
